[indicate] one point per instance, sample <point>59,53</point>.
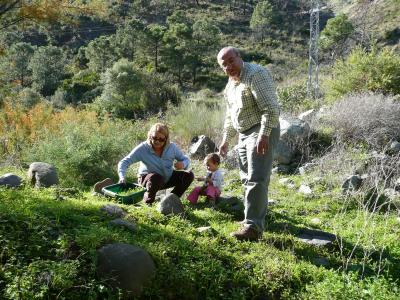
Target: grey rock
<point>352,183</point>
<point>204,229</point>
<point>282,169</point>
<point>308,115</point>
<point>10,180</point>
<point>306,168</point>
<point>126,267</point>
<point>170,205</point>
<point>113,210</point>
<point>284,153</point>
<point>287,182</point>
<point>123,223</point>
<point>293,133</point>
<point>394,147</point>
<point>305,190</point>
<point>42,174</point>
<point>316,238</point>
<point>321,261</point>
<point>201,146</point>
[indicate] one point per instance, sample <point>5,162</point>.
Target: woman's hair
<point>214,157</point>
<point>160,128</point>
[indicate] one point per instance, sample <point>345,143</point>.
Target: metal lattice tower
<point>312,83</point>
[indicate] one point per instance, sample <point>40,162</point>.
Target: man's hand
<point>262,144</point>
<point>223,148</point>
<point>179,165</point>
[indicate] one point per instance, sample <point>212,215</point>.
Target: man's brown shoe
<point>99,185</point>
<point>246,234</point>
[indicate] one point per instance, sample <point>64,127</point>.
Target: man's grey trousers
<point>255,171</point>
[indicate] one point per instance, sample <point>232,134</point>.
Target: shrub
<point>84,149</point>
<point>199,114</point>
<point>366,118</point>
<point>365,71</point>
<point>19,126</point>
<point>83,87</point>
<point>293,99</point>
<point>29,97</point>
<point>129,91</point>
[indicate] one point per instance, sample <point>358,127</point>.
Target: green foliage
<point>336,32</point>
<point>261,18</point>
<point>377,71</point>
<point>85,151</point>
<point>48,69</point>
<point>14,65</point>
<point>199,114</point>
<point>41,278</point>
<point>128,39</point>
<point>83,87</point>
<point>29,97</point>
<point>348,286</point>
<point>129,91</point>
<point>100,53</point>
<point>294,98</point>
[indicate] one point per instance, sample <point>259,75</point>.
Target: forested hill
<point>70,53</point>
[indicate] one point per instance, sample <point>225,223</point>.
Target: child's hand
<point>200,178</point>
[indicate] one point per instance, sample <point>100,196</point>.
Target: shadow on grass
<point>331,255</point>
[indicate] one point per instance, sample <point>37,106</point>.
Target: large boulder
<point>42,174</point>
<point>126,267</point>
<point>294,133</point>
<point>170,205</point>
<point>10,180</point>
<point>201,146</point>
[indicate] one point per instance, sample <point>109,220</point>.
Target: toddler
<point>212,182</point>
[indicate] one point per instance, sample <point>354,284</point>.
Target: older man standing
<point>253,112</point>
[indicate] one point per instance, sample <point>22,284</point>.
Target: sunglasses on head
<point>159,139</point>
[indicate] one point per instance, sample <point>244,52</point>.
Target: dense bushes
<point>377,71</point>
<point>129,91</point>
<point>366,118</point>
<point>199,114</point>
<point>83,148</point>
<point>293,98</point>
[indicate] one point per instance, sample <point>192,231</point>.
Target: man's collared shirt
<point>251,101</point>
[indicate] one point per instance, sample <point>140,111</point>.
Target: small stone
<point>287,182</point>
<point>203,229</point>
<point>305,189</point>
<point>123,223</point>
<point>113,210</point>
<point>316,221</point>
<point>171,205</point>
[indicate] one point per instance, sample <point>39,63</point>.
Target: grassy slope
<point>49,248</point>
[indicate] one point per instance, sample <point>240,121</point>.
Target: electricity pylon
<point>312,83</point>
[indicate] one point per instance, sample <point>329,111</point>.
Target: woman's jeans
<point>255,171</point>
<point>153,182</point>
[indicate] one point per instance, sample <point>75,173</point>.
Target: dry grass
<point>373,119</point>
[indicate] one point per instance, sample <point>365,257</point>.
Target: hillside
<point>81,82</point>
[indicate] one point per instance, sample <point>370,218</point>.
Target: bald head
<point>230,61</point>
<point>227,50</point>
